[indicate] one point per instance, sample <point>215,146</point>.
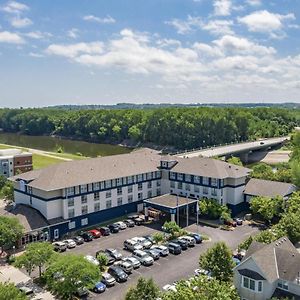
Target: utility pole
<point>187,211</point>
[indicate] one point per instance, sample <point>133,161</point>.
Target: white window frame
<point>205,180</point>
<point>196,179</point>
<point>56,233</point>
<point>84,221</point>
<point>72,225</point>
<point>83,188</point>
<point>256,284</point>
<point>172,175</point>
<point>98,205</point>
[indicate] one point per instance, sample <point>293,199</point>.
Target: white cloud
<point>264,21</point>
<point>73,33</point>
<point>219,27</point>
<point>14,7</point>
<point>236,44</point>
<point>185,26</point>
<point>73,50</point>
<point>207,50</point>
<point>37,55</point>
<point>37,35</point>
<point>254,2</point>
<point>11,38</point>
<point>20,22</point>
<point>106,20</point>
<point>222,7</point>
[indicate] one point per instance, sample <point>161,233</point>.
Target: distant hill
<point>163,105</point>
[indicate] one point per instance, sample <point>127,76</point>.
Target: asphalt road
<point>165,270</point>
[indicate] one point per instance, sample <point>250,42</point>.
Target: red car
<point>95,233</point>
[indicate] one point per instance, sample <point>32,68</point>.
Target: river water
<point>52,144</point>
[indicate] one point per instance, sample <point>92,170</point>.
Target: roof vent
<point>229,166</point>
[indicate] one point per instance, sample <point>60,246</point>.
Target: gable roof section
<point>268,188</point>
<point>208,167</point>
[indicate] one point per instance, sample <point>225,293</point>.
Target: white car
<point>169,287</point>
<point>132,245</point>
<point>133,261</point>
<point>143,257</point>
<point>163,250</point>
<point>190,240</point>
<point>108,280</point>
<point>92,260</point>
<point>70,243</point>
<point>121,225</point>
<point>142,241</point>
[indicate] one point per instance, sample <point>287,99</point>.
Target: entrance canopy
<point>169,202</point>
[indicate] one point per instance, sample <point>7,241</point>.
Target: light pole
<point>177,210</point>
<point>187,211</point>
<point>197,212</point>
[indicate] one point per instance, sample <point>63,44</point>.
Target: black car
<point>129,223</point>
<point>78,240</point>
<point>87,237</point>
<point>117,273</point>
<point>111,259</point>
<point>104,231</point>
<point>138,221</point>
<point>183,244</point>
<point>174,248</point>
<point>114,228</point>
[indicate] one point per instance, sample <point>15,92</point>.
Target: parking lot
<point>168,269</point>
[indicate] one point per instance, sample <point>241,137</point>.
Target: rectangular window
<point>259,288</point>
<point>149,194</point>
<point>140,186</point>
<point>130,198</point>
<point>83,199</point>
<point>70,191</point>
<point>205,190</point>
<point>149,176</point>
<point>214,192</point>
<point>140,177</point>
<point>108,194</point>
<point>172,184</point>
<point>107,184</point>
<point>188,178</point>
<point>196,189</point>
<point>158,192</point>
<point>246,282</point>
<point>172,175</point>
<point>108,203</point>
<point>149,184</point>
<point>205,180</point>
<point>96,186</point>
<point>197,179</point>
<point>252,285</point>
<point>180,176</point>
<point>70,202</point>
<point>97,206</point>
<point>249,283</point>
<point>84,209</point>
<point>158,183</point>
<point>119,191</point>
<point>83,188</point>
<point>96,196</point>
<point>102,185</point>
<point>72,225</point>
<point>129,190</point>
<point>113,183</point>
<point>84,222</point>
<point>71,213</point>
<point>157,174</point>
<point>130,179</point>
<point>283,285</point>
<point>187,187</point>
<point>119,181</point>
<point>56,233</point>
<point>214,182</point>
<point>221,182</point>
<point>179,185</point>
<point>119,201</point>
<point>140,196</point>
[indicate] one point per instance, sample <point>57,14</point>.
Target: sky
<point>148,51</point>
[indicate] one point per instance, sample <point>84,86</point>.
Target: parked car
<point>129,223</point>
<point>196,236</point>
<point>143,257</point>
<point>104,231</point>
<point>86,236</point>
<point>111,260</point>
<point>108,280</point>
<point>26,290</point>
<point>144,242</point>
<point>114,228</point>
<point>59,246</point>
<point>200,271</point>
<point>133,261</point>
<point>153,253</point>
<point>238,221</point>
<point>81,292</point>
<point>114,253</point>
<point>169,287</point>
<point>70,243</point>
<point>125,266</point>
<point>191,241</point>
<point>133,216</point>
<point>132,245</point>
<point>121,225</point>
<point>92,259</point>
<point>95,233</point>
<point>117,273</point>
<point>174,248</point>
<point>183,244</point>
<point>230,223</point>
<point>149,237</point>
<point>138,221</point>
<point>78,240</point>
<point>99,287</point>
<point>163,250</point>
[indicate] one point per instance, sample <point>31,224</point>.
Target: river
<point>52,144</point>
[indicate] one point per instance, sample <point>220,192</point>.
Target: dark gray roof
<point>268,188</point>
<point>280,294</point>
<point>251,274</point>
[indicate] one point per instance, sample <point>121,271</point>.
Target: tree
<point>262,171</point>
<point>172,228</point>
<point>10,291</point>
<point>36,255</point>
<point>158,237</point>
<point>10,231</point>
<point>235,161</point>
<point>3,180</point>
<point>68,273</point>
<point>202,288</point>
<point>145,289</point>
<point>103,261</point>
<point>8,190</point>
<point>212,209</point>
<point>267,207</point>
<point>218,260</point>
<point>295,166</point>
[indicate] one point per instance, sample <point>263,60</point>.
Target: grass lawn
<point>68,155</point>
<point>42,161</point>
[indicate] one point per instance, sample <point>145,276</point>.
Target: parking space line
<point>138,272</point>
<point>157,263</point>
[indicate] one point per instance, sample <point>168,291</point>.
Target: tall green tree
<point>10,231</point>
<point>8,190</point>
<point>103,261</point>
<point>68,273</point>
<point>235,161</point>
<point>145,289</point>
<point>218,260</point>
<point>8,291</point>
<point>37,255</point>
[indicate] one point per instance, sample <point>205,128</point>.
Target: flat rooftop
<point>170,201</point>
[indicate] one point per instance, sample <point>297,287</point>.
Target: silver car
<point>143,257</point>
<point>142,241</point>
<point>133,261</point>
<point>108,280</point>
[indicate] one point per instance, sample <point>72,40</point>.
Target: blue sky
<point>179,51</point>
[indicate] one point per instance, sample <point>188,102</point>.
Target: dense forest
<point>183,128</point>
